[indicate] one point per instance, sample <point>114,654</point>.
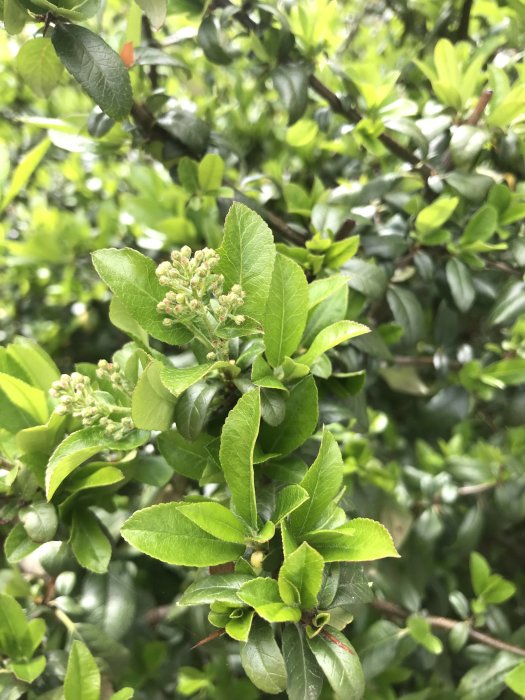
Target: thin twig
<point>446,623</point>
<point>480,107</point>
<point>475,489</point>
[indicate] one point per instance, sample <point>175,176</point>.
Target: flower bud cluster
<point>196,296</point>
<point>78,397</point>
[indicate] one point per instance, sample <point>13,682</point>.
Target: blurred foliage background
<point>401,164</point>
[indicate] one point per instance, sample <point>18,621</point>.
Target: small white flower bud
<point>185,251</point>
<point>211,356</point>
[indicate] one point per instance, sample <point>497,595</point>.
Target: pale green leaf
<point>303,569</point>
<point>262,594</point>
<point>82,681</point>
<point>361,539</point>
<point>151,403</point>
<point>330,337</point>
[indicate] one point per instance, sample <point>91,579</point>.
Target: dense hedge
<point>383,144</point>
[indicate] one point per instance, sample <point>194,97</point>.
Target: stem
<point>475,489</point>
<point>446,623</point>
<point>480,107</point>
<point>464,21</point>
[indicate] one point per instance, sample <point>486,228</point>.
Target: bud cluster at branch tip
<point>78,397</point>
<point>196,297</point>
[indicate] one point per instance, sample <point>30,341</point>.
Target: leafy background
<point>411,183</point>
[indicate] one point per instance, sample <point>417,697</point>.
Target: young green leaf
<point>322,482</point>
<point>18,544</point>
<point>131,277</point>
<point>305,679</point>
<point>90,545</point>
<point>39,66</point>
<point>29,671</point>
<point>262,660</point>
<point>516,679</point>
<point>301,571</point>
<point>221,588</point>
<point>239,627</point>
<point>14,636</point>
<point>152,404</point>
<point>24,169</point>
<point>262,594</point>
<point>14,16</point>
<point>288,499</point>
<point>24,399</point>
<point>217,520</point>
<point>286,310</point>
<point>340,664</point>
<point>210,172</point>
<point>80,446</point>
<point>361,539</point>
<point>436,214</point>
<point>99,70</point>
<point>178,380</point>
<point>236,454</point>
<point>247,257</point>
<point>82,681</point>
<point>165,533</point>
<point>330,337</point>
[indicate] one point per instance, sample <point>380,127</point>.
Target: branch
<point>446,623</point>
<point>480,107</point>
<point>464,21</point>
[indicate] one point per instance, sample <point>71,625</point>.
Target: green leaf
<point>236,454</point>
<point>288,499</point>
<point>90,545</point>
<point>351,586</point>
<point>18,545</point>
<point>262,594</point>
<point>366,278</point>
<point>39,66</point>
<point>131,277</point>
<point>291,82</point>
<point>27,406</point>
<point>461,286</point>
<point>322,482</point>
<point>155,11</point>
<point>210,172</point>
<point>510,372</point>
<point>14,635</point>
<point>421,631</point>
<point>99,70</point>
<point>299,422</point>
<point>479,572</point>
<point>29,671</point>
<point>361,539</point>
<point>40,521</point>
<point>305,679</point>
<point>509,304</point>
<point>340,664</point>
<point>516,679</point>
<point>341,251</point>
<point>40,369</point>
<point>330,337</point>
<point>82,681</point>
<point>481,226</point>
<point>14,16</point>
<point>436,214</point>
<point>302,572</point>
<point>94,476</point>
<point>262,660</point>
<point>186,457</point>
<point>24,170</point>
<point>120,317</point>
<point>247,257</point>
<point>178,380</point>
<point>407,311</point>
<point>193,408</point>
<point>80,446</point>
<point>286,310</point>
<point>123,694</point>
<point>152,404</point>
<point>239,627</point>
<point>165,533</point>
<point>221,588</point>
<point>216,519</point>
<point>209,41</point>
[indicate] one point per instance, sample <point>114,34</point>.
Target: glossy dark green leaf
<point>90,545</point>
<point>193,409</point>
<point>407,311</point>
<point>340,664</point>
<point>99,70</point>
<point>461,284</point>
<point>305,678</point>
<point>291,82</point>
<point>262,660</point>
